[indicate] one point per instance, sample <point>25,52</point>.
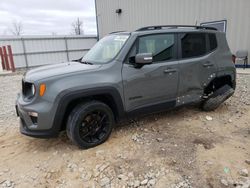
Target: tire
<point>90,124</point>
<point>217,98</point>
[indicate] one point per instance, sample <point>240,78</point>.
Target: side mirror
<point>144,58</point>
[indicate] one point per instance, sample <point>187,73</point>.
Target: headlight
<point>33,89</point>
<point>28,89</point>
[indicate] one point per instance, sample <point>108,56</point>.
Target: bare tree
<point>17,28</point>
<point>77,27</point>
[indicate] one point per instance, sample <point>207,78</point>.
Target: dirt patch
<point>179,148</point>
<point>207,143</point>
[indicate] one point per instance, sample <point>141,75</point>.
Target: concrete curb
<point>5,73</point>
<point>243,71</point>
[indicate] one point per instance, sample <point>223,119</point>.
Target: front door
<point>154,84</point>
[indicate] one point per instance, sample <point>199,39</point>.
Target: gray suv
<point>127,74</point>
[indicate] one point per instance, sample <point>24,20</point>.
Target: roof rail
<point>116,32</point>
<point>157,27</point>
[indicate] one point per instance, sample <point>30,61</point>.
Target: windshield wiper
<point>85,62</point>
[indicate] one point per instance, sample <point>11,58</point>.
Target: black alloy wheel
<point>90,124</point>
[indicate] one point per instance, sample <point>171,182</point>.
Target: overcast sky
<point>47,16</point>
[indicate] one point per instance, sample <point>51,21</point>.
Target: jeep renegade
<point>126,74</point>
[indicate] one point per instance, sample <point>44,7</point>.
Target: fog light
<point>33,117</point>
<point>34,114</point>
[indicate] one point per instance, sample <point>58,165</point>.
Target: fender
<point>220,81</point>
<point>228,73</point>
<point>64,98</point>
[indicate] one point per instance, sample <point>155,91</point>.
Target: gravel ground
<point>178,149</point>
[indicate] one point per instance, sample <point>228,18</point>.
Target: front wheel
<point>90,124</point>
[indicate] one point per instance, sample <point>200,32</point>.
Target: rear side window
<point>160,45</point>
<point>193,45</point>
<point>212,42</point>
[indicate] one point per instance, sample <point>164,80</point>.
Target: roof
<point>170,28</point>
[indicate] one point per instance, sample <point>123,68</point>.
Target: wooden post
<point>12,65</point>
<point>2,59</point>
<point>5,56</point>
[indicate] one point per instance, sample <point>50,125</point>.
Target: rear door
<point>155,83</point>
<point>197,65</point>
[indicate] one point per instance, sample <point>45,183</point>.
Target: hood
<point>57,70</point>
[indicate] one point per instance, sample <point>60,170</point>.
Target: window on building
<point>161,46</point>
<point>219,25</point>
<point>193,45</point>
<point>212,42</point>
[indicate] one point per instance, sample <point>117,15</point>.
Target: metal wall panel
<point>46,45</point>
<point>84,43</point>
<point>76,54</point>
<point>139,13</point>
<point>29,51</point>
<point>43,59</point>
<point>19,61</point>
<point>15,44</point>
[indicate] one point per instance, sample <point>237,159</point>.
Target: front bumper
<point>36,134</point>
<point>39,129</point>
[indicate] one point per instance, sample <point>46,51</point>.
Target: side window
<point>160,45</point>
<point>193,45</point>
<point>212,41</point>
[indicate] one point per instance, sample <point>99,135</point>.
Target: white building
<point>129,15</point>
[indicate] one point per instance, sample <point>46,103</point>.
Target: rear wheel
<point>217,98</point>
<point>90,124</point>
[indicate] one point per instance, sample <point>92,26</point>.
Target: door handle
<point>208,64</point>
<point>170,71</point>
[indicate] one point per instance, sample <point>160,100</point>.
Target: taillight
<point>233,58</point>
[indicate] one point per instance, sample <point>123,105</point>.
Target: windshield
<point>106,49</point>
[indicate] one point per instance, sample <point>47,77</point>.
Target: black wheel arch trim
<point>64,98</point>
<point>232,79</point>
